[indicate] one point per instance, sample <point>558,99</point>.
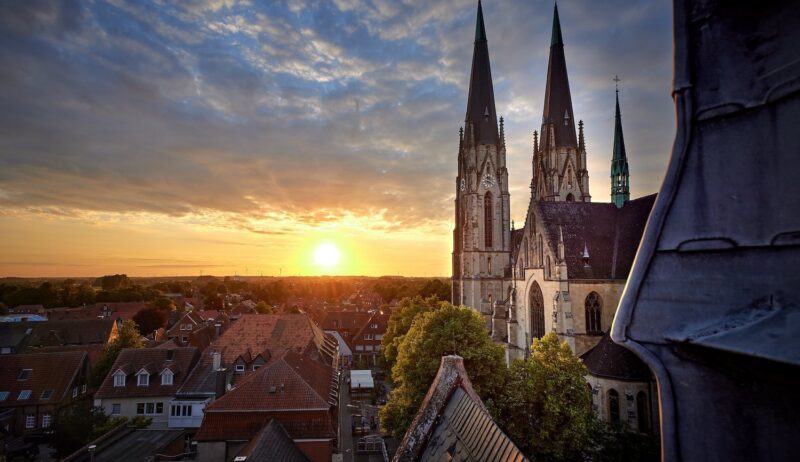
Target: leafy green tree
<point>616,444</point>
<point>128,337</point>
<point>113,282</point>
<point>443,331</point>
<point>436,288</point>
<point>546,407</point>
<point>400,322</point>
<point>150,319</point>
<point>263,308</point>
<point>164,304</point>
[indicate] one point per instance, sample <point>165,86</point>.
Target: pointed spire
<point>481,114</point>
<point>556,36</point>
<point>480,29</point>
<point>502,132</point>
<point>535,141</point>
<point>620,176</point>
<point>557,98</point>
<point>581,141</point>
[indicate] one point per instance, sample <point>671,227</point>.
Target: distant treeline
<point>213,290</point>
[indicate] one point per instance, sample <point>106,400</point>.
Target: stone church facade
<point>564,271</point>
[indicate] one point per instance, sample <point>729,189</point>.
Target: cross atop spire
<point>617,80</point>
<point>481,117</point>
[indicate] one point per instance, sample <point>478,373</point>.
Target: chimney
<point>216,361</point>
<point>221,382</point>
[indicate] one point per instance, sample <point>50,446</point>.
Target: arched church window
<point>570,198</point>
<point>613,406</point>
<point>489,264</point>
<point>547,267</point>
<point>487,219</point>
<point>593,309</point>
<point>536,310</point>
<point>643,412</point>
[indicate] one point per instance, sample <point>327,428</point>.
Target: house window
<point>184,339</point>
<point>149,408</point>
<point>613,406</point>
<point>359,347</point>
<point>368,347</point>
<point>5,351</point>
<point>47,419</point>
<point>116,408</point>
<point>593,309</point>
<point>378,336</point>
<point>83,388</point>
<point>487,220</point>
<point>256,366</point>
<point>24,374</point>
<point>373,326</point>
<point>3,395</point>
<point>143,379</point>
<point>30,421</point>
<point>377,348</point>
<point>46,394</point>
<point>240,368</point>
<point>368,337</point>
<point>75,392</point>
<point>119,379</point>
<point>23,395</point>
<point>166,377</point>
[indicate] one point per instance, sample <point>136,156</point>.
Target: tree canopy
<point>400,321</point>
<point>128,337</point>
<point>436,333</point>
<point>149,319</point>
<point>546,407</point>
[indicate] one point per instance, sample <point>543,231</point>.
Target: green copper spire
<point>620,176</point>
<point>556,38</point>
<point>480,30</point>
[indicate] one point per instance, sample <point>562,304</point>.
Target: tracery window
<point>487,219</point>
<point>593,307</point>
<point>536,309</point>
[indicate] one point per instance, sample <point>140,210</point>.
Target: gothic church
<point>565,269</point>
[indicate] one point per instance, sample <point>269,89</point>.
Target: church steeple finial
<point>556,39</point>
<point>581,140</point>
<point>481,114</point>
<point>620,175</point>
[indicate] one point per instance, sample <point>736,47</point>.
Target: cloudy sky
<point>224,136</point>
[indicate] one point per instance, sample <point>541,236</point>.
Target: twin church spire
<point>481,115</point>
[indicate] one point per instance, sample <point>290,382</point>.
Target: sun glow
<point>327,254</point>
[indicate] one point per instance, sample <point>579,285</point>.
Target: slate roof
<point>49,371</point>
<point>202,380</point>
<point>610,234</point>
<point>154,360</point>
<point>273,443</point>
<point>609,360</point>
<point>70,332</point>
<point>453,424</point>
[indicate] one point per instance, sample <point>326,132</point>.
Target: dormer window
<point>119,379</point>
<point>166,377</point>
<point>142,379</point>
<point>24,374</point>
<point>240,368</point>
<point>566,118</point>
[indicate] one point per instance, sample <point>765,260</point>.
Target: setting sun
<point>327,254</point>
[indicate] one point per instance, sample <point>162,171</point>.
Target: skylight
<point>24,394</point>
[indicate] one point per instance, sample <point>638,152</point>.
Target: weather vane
<point>616,80</point>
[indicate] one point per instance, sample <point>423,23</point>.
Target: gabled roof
<point>277,333</point>
<point>273,443</point>
<point>48,371</point>
<point>152,360</point>
<point>292,387</point>
<point>70,332</point>
<point>453,424</point>
<point>609,360</point>
<point>610,234</point>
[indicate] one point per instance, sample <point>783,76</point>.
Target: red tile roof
<point>114,310</point>
<point>155,360</point>
<point>255,334</point>
<point>48,371</point>
<point>71,332</point>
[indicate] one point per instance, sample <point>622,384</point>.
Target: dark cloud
<point>302,112</point>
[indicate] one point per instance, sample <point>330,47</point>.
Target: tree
<point>263,308</point>
<point>164,304</point>
<point>113,282</point>
<point>436,288</point>
<point>128,337</point>
<point>400,322</point>
<point>546,407</point>
<point>74,426</point>
<point>443,331</point>
<point>149,319</point>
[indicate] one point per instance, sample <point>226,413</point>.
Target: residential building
<point>144,381</point>
<point>34,386</point>
<point>366,343</point>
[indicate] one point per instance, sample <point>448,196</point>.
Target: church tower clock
<point>482,237</point>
